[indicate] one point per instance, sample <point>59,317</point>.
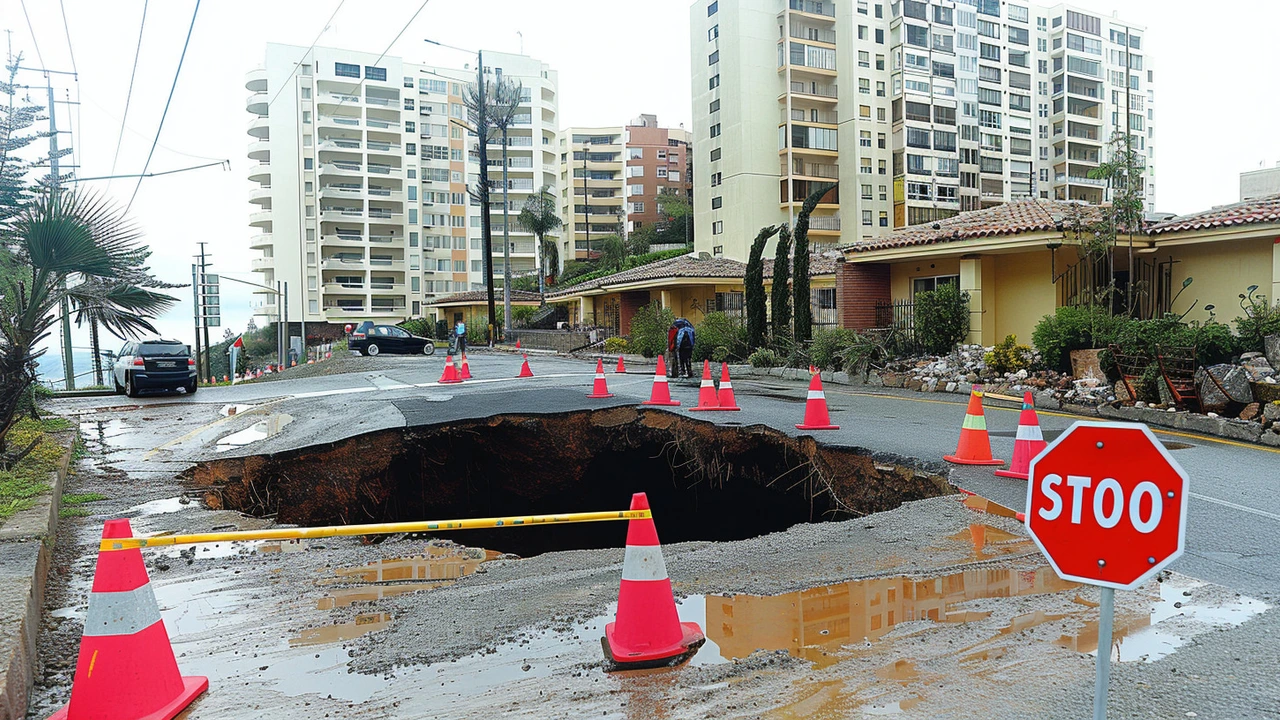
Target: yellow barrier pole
<point>373,529</point>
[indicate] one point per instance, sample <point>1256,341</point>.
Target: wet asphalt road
<point>1233,520</point>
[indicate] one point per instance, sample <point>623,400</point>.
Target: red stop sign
<point>1107,504</point>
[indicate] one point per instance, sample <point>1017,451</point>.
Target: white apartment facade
<point>921,108</point>
<point>362,175</point>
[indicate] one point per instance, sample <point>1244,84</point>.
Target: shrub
<point>1008,356</point>
<point>827,346</point>
<point>649,330</point>
<point>520,314</point>
<point>1073,328</point>
<point>416,326</point>
<point>763,358</point>
<point>717,330</point>
<point>1260,319</point>
<point>478,334</point>
<point>720,354</point>
<point>941,318</point>
<point>865,351</point>
<point>615,345</point>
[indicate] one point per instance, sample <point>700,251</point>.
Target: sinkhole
<point>704,481</point>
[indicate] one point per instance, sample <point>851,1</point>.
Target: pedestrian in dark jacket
<point>684,344</point>
<point>673,360</point>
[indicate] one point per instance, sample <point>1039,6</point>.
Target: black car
<point>378,339</point>
<point>154,365</point>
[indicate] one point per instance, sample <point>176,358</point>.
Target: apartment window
<point>883,168</point>
<point>716,179</point>
<point>307,164</point>
<point>717,227</point>
<point>715,105</point>
<point>947,166</point>
<point>662,172</point>
<point>864,138</point>
<point>306,117</point>
<point>410,149</point>
<point>879,37</point>
<point>866,192</point>
<point>1021,36</point>
<point>715,154</point>
<point>346,70</point>
<point>864,59</point>
<point>943,140</point>
<point>919,191</point>
<point>715,130</point>
<point>637,207</point>
<point>918,164</point>
<point>943,70</point>
<point>866,217</point>
<point>919,86</point>
<point>864,86</point>
<point>413,216</point>
<point>635,171</point>
<point>865,165</point>
<point>918,138</point>
<point>713,58</point>
<point>863,32</point>
<point>714,82</point>
<point>988,29</point>
<point>717,202</point>
<point>713,32</point>
<point>306,93</point>
<point>635,190</point>
<point>1093,46</point>
<point>712,8</point>
<point>987,51</point>
<point>1020,58</point>
<point>411,174</point>
<point>917,36</point>
<point>413,192</point>
<point>864,111</point>
<point>1084,23</point>
<point>375,73</point>
<point>942,15</point>
<point>1020,102</point>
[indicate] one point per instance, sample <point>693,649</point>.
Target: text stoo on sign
<point>1107,504</point>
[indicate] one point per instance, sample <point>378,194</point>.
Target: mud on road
<point>932,609</point>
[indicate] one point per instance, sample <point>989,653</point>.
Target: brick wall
<point>858,288</point>
<point>627,307</point>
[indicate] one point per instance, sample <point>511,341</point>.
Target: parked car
<point>154,365</point>
<point>378,339</point>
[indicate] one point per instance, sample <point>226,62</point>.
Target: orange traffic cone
<point>707,399</point>
<point>450,374</point>
<point>974,447</point>
<point>465,374</point>
<point>815,408</point>
<point>727,401</point>
<point>1028,443</point>
<point>517,343</point>
<point>661,394</point>
<point>647,631</point>
<point>621,369</point>
<point>812,370</point>
<point>524,368</point>
<point>600,389</point>
<point>126,669</point>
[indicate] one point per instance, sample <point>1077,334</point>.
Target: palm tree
<point>504,102</point>
<point>55,238</point>
<point>539,217</point>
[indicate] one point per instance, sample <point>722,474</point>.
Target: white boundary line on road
<point>1234,506</point>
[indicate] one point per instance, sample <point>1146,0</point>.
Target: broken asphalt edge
<point>26,549</point>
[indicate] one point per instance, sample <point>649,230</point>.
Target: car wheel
<point>116,383</point>
<point>192,387</point>
<point>129,388</point>
<point>372,349</point>
<point>429,348</point>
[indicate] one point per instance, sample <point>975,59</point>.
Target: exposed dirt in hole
<point>705,482</point>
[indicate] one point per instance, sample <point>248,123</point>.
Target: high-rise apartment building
<point>363,169</point>
<point>920,108</point>
<point>612,177</point>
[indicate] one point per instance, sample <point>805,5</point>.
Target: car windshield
<point>172,349</point>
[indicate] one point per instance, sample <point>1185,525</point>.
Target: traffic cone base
<point>661,394</point>
<point>647,631</point>
<point>465,373</point>
<point>816,416</point>
<point>621,369</point>
<point>126,668</point>
<point>1028,443</point>
<point>600,388</point>
<point>974,447</point>
<point>524,369</point>
<point>450,374</point>
<point>707,398</point>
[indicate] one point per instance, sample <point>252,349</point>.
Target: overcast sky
<point>1215,64</point>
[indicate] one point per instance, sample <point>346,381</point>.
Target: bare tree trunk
<point>97,352</point>
<point>506,240</point>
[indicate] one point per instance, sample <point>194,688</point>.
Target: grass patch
<point>81,498</point>
<point>21,484</point>
<point>73,512</point>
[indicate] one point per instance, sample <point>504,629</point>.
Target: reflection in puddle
<point>439,562</point>
<point>361,625</point>
<point>260,430</point>
<point>159,507</point>
<point>988,541</point>
<point>229,410</point>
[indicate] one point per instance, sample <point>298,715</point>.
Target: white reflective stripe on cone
<point>725,384</point>
<point>660,378</point>
<point>599,376</point>
<point>816,395</point>
<point>707,383</point>
<point>121,613</point>
<point>644,562</point>
<point>1029,432</point>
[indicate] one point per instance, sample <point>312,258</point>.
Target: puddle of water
<point>229,410</point>
<point>260,430</point>
<point>988,541</point>
<point>439,562</point>
<point>338,632</point>
<point>343,598</point>
<point>196,605</point>
<point>981,504</point>
<point>159,507</point>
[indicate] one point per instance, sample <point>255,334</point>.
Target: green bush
<point>763,358</point>
<point>649,330</point>
<point>520,314</point>
<point>716,330</point>
<point>615,345</point>
<point>417,326</point>
<point>1073,328</point>
<point>1260,319</point>
<point>941,318</point>
<point>1008,356</point>
<point>720,354</point>
<point>827,346</point>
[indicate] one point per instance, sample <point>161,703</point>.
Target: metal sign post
<point>1102,678</point>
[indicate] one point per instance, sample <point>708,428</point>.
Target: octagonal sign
<point>1107,504</point>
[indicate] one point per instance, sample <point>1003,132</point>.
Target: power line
<point>31,30</point>
<point>143,135</point>
<point>311,47</point>
<point>132,74</point>
<point>387,49</point>
<point>66,29</point>
<point>165,114</point>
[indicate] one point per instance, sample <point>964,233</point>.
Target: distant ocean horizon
<point>49,367</point>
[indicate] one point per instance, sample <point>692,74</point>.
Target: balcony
<point>341,214</point>
<point>257,102</point>
<point>338,144</point>
<point>824,223</point>
<point>260,150</point>
<point>343,263</point>
<point>384,102</point>
<point>382,124</point>
<point>382,239</point>
<point>260,219</point>
<point>259,127</point>
<point>386,287</point>
<point>348,169</point>
<point>342,240</point>
<point>262,263</point>
<point>817,90</point>
<point>823,10</point>
<point>265,310</point>
<point>1079,180</point>
<point>337,98</point>
<point>260,173</point>
<point>344,193</point>
<point>386,148</point>
<point>260,241</point>
<point>380,169</point>
<point>260,195</point>
<point>340,120</point>
<point>343,311</point>
<point>341,288</point>
<point>256,80</point>
<point>826,117</point>
<point>812,34</point>
<point>800,168</point>
<point>386,216</point>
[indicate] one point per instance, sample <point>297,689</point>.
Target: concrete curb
<point>26,547</point>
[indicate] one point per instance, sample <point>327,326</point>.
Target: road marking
<point>1234,506</point>
<point>183,438</point>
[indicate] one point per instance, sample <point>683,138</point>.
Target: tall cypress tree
<point>754,287</point>
<point>780,293</point>
<point>800,277</point>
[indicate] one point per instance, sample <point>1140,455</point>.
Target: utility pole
<point>506,236</point>
<point>279,314</point>
<point>204,320</point>
<point>68,360</point>
<point>195,313</point>
<point>287,343</point>
<point>586,199</point>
